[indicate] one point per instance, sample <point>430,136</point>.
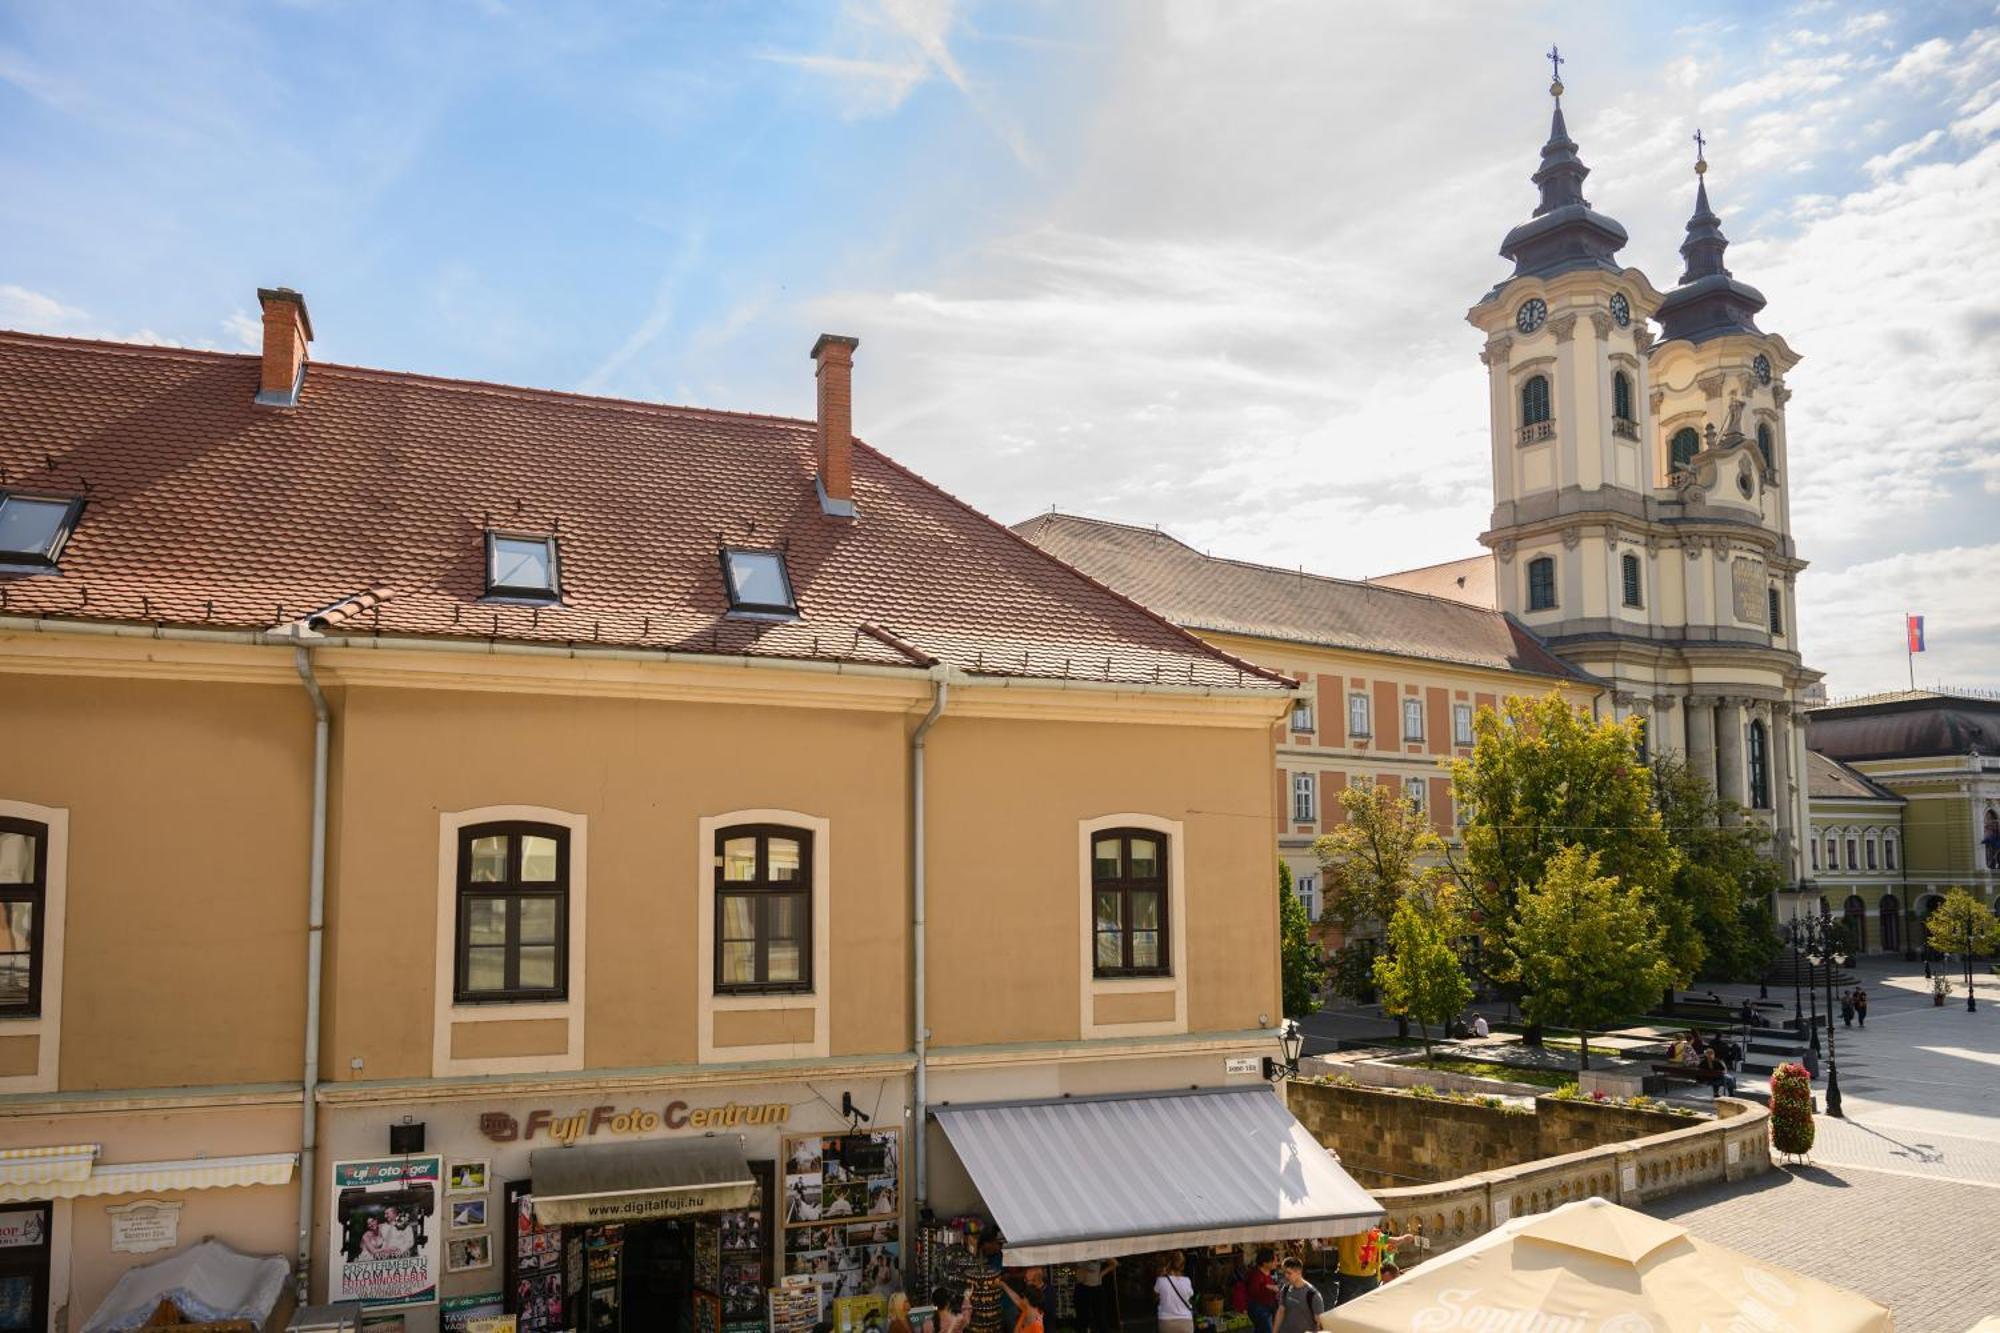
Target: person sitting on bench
<point>1717,1073</point>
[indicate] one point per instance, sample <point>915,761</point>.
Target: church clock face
<point>1621,309</point>
<point>1534,313</point>
<point>1762,365</point>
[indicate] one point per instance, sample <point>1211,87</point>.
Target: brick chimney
<point>835,355</point>
<point>287,330</point>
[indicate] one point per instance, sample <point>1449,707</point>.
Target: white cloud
<point>1853,619</point>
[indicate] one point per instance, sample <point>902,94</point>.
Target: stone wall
<point>1387,1138</point>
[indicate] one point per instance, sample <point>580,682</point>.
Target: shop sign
<point>385,1231</point>
<point>24,1228</point>
<point>145,1226</point>
<point>545,1124</point>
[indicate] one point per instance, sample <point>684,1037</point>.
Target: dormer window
<point>757,582</point>
<point>33,528</point>
<point>519,566</point>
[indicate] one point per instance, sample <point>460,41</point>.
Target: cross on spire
<point>1555,63</point>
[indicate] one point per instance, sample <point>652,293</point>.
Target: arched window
<point>1990,838</point>
<point>1812,845</point>
<point>1853,851</point>
<point>1128,883</point>
<point>1890,914</point>
<point>513,912</point>
<point>1764,443</point>
<point>1856,914</point>
<point>1621,396</point>
<point>1629,566</point>
<point>1535,400</point>
<point>1541,583</point>
<point>1832,852</point>
<point>1760,781</point>
<point>763,909</point>
<point>1686,444</point>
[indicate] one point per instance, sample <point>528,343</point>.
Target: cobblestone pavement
<point>1924,1248</point>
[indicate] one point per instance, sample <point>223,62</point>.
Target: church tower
<point>1641,524</point>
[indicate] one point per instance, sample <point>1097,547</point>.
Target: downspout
<point>315,944</point>
<point>941,695</point>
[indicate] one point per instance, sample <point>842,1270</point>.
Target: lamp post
<point>1291,1044</point>
<point>1826,942</point>
<point>1798,1006</point>
<point>1971,1006</point>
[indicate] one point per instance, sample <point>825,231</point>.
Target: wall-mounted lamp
<point>1291,1044</point>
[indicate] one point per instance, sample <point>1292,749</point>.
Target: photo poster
<point>842,1210</point>
<point>386,1233</point>
<point>533,1283</point>
<point>746,1255</point>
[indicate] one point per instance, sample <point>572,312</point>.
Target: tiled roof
<point>1205,593</point>
<point>366,507</point>
<point>1470,580</point>
<point>1829,779</point>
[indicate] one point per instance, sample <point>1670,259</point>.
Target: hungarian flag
<point>1915,627</point>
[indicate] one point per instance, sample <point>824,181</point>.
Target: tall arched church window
<point>1685,445</point>
<point>1541,583</point>
<point>1764,443</point>
<point>1621,396</point>
<point>1535,400</point>
<point>1760,780</point>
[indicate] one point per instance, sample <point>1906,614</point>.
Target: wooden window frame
<point>1542,562</point>
<point>513,891</point>
<point>1124,885</point>
<point>1758,761</point>
<point>36,894</point>
<point>1531,403</point>
<point>1774,609</point>
<point>1632,577</point>
<point>1889,851</point>
<point>1681,464</point>
<point>1621,396</point>
<point>763,889</point>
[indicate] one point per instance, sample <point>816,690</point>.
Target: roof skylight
<point>522,566</point>
<point>33,528</point>
<point>757,582</point>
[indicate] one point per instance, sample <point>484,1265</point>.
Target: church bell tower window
<point>1536,423</point>
<point>1764,443</point>
<point>1541,583</point>
<point>1680,453</point>
<point>1629,564</point>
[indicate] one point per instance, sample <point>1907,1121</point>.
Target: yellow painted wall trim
<point>149,1101</point>
<point>1254,1041</point>
<point>609,1082</point>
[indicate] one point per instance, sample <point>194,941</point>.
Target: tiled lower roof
<point>365,507</point>
<point>1206,593</point>
<point>1829,779</point>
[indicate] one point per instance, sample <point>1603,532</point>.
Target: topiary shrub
<point>1791,1111</point>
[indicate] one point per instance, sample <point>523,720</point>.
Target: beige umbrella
<point>1594,1267</point>
<point>1990,1324</point>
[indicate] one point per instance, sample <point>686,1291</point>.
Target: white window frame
<point>1812,845</point>
<point>1302,716</point>
<point>1461,724</point>
<point>1306,888</point>
<point>1871,852</point>
<point>1093,986</point>
<point>1888,851</point>
<point>1305,797</point>
<point>1832,852</point>
<point>1853,841</point>
<point>1413,709</point>
<point>1417,792</point>
<point>707,1003</point>
<point>1358,721</point>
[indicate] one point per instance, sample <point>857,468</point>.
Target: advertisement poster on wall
<point>386,1231</point>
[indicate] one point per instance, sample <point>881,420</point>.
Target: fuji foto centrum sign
<point>612,1121</point>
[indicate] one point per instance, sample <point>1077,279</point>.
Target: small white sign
<point>145,1226</point>
<point>1242,1064</point>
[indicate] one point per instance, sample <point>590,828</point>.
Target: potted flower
<point>1940,987</point>
<point>1791,1111</point>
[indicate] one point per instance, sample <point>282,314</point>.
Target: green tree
<point>1544,777</point>
<point>1587,948</point>
<point>1961,924</point>
<point>1301,964</point>
<point>1420,975</point>
<point>1723,876</point>
<point>1383,851</point>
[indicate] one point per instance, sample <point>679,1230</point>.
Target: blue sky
<point>1196,264</point>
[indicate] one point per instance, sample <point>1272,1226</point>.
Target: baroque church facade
<point>1641,523</point>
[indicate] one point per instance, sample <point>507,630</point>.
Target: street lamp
<point>1291,1044</point>
<point>1798,1006</point>
<point>1826,939</point>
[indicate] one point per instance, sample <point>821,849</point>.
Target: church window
<point>1630,565</point>
<point>1776,606</point>
<point>1764,443</point>
<point>1541,583</point>
<point>1686,444</point>
<point>1621,396</point>
<point>1760,779</point>
<point>1535,400</point>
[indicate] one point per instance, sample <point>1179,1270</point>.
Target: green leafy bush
<point>1791,1111</point>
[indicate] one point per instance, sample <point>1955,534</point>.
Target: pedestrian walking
<point>1301,1304</point>
<point>1176,1295</point>
<point>1847,1007</point>
<point>1260,1289</point>
<point>1861,1005</point>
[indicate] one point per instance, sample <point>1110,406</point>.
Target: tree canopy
<point>1383,851</point>
<point>1420,975</point>
<point>1962,924</point>
<point>1587,949</point>
<point>1301,965</point>
<point>1723,876</point>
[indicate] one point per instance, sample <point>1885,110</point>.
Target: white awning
<point>636,1182</point>
<point>74,1173</point>
<point>1086,1178</point>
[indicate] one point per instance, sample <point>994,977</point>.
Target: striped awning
<point>74,1173</point>
<point>1095,1177</point>
<point>636,1182</point>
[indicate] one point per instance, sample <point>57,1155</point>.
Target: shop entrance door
<point>24,1268</point>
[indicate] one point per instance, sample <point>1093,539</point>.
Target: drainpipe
<point>917,1132</point>
<point>315,943</point>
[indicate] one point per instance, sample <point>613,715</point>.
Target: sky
<point>1203,265</point>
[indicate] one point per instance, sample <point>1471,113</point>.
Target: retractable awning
<point>73,1172</point>
<point>1086,1178</point>
<point>636,1182</point>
